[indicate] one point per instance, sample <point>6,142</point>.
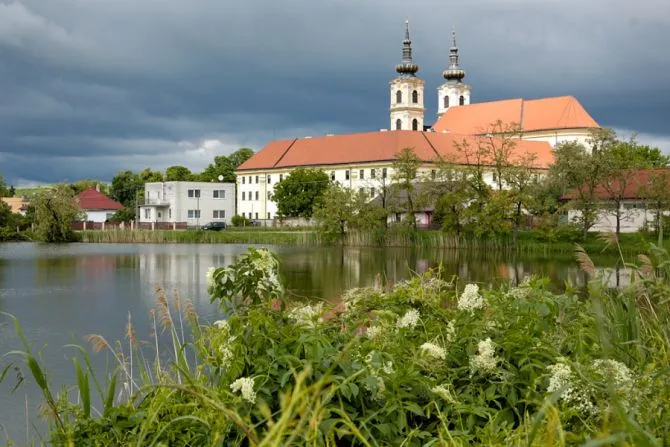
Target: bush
<point>417,364</point>
<point>239,221</point>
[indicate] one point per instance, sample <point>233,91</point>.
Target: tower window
<point>415,124</point>
<point>446,102</point>
<point>398,124</point>
<point>461,100</point>
<point>398,97</point>
<point>415,96</point>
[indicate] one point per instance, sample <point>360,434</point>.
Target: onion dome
<point>406,67</point>
<point>454,73</point>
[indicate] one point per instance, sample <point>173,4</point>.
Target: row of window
<point>415,97</point>
<point>361,174</point>
<point>217,193</point>
<point>251,197</point>
<point>461,101</point>
<point>249,215</point>
<point>257,178</point>
<point>216,214</point>
<point>398,124</point>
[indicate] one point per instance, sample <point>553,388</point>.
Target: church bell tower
<point>406,91</point>
<point>454,92</point>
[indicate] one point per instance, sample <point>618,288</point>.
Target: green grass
<point>232,236</point>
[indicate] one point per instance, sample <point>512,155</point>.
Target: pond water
<point>60,293</point>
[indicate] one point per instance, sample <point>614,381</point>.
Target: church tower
<point>453,92</point>
<point>406,91</point>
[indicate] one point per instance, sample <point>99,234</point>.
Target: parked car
<point>214,226</point>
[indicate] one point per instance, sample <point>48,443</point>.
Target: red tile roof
<point>633,188</point>
<point>91,200</point>
<point>563,112</point>
<point>375,147</point>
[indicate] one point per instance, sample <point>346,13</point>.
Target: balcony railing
<point>155,202</point>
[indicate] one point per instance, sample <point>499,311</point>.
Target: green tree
<point>150,176</point>
<point>178,174</point>
<point>342,210</point>
<point>522,180</point>
<point>225,166</point>
<point>657,195</point>
<point>651,156</point>
<point>5,214</point>
<point>4,191</point>
<point>405,169</point>
<point>125,188</point>
<point>300,192</point>
<point>56,209</point>
<point>124,215</point>
<point>450,194</point>
<point>12,191</point>
<point>82,185</point>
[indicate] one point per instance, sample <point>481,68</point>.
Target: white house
<point>195,203</point>
<point>97,206</point>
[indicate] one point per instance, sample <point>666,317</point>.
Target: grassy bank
<point>232,236</point>
<point>423,363</point>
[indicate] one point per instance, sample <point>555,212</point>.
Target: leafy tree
<point>522,180</point>
<point>4,191</point>
<point>300,192</point>
<point>651,156</point>
<point>149,176</point>
<point>497,144</point>
<point>405,169</point>
<point>450,193</point>
<point>5,214</point>
<point>56,209</point>
<point>225,166</point>
<point>125,188</point>
<point>12,191</point>
<point>239,221</point>
<point>178,174</point>
<point>657,194</point>
<point>82,185</point>
<point>125,214</point>
<point>342,210</point>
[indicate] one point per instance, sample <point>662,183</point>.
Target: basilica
<point>363,161</point>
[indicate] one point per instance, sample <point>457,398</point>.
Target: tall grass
<point>200,237</point>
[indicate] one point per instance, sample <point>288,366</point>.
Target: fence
<point>82,226</point>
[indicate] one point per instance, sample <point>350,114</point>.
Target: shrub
<point>239,221</point>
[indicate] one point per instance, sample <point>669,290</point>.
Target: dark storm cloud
<point>93,87</point>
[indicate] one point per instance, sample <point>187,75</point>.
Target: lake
<point>62,292</point>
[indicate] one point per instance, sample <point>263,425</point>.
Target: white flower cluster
<point>562,378</point>
<point>306,316</point>
<point>268,265</point>
<point>225,351</point>
<point>617,372</point>
<point>444,393</point>
<point>378,390</point>
<point>221,324</point>
<point>373,332</point>
<point>409,320</point>
<point>485,359</point>
<point>210,276</point>
<point>433,350</point>
<point>470,299</point>
<point>451,331</point>
<point>245,386</point>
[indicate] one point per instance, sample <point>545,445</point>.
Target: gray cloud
<point>93,87</point>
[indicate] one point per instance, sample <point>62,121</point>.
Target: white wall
<point>99,216</point>
<point>171,200</point>
<point>453,90</point>
<point>406,111</point>
<point>554,137</point>
<point>632,220</point>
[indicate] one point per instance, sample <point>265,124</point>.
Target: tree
<point>82,185</point>
<point>657,194</point>
<point>300,192</point>
<point>125,188</point>
<point>4,191</point>
<point>124,215</point>
<point>497,144</point>
<point>651,156</point>
<point>405,168</point>
<point>342,210</point>
<point>56,209</point>
<point>522,180</point>
<point>150,176</point>
<point>12,191</point>
<point>178,174</point>
<point>450,193</point>
<point>225,166</point>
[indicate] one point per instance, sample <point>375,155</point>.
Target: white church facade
<point>363,161</point>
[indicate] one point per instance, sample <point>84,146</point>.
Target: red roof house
<point>97,206</point>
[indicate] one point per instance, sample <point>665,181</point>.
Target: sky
<point>89,88</point>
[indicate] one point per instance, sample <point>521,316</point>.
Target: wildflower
<point>443,392</point>
<point>470,298</point>
<point>451,331</point>
<point>373,332</point>
<point>485,360</point>
<point>226,355</point>
<point>376,389</point>
<point>388,368</point>
<point>210,276</point>
<point>433,350</point>
<point>617,372</point>
<point>245,386</point>
<point>409,320</point>
<point>221,324</point>
<point>561,375</point>
<point>562,378</point>
<point>305,315</point>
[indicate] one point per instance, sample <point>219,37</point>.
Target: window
<point>147,213</point>
<point>332,175</point>
<point>268,215</point>
<point>494,177</point>
<point>244,180</point>
<point>415,124</point>
<point>269,195</point>
<point>415,96</point>
<point>372,173</point>
<point>169,213</point>
<point>432,174</point>
<point>269,179</point>
<point>219,214</point>
<point>194,214</point>
<point>398,124</point>
<point>361,174</point>
<point>243,193</point>
<point>384,173</point>
<point>346,174</point>
<point>361,191</point>
<point>256,215</point>
<point>372,192</point>
<point>219,194</point>
<point>257,179</point>
<point>250,180</point>
<point>446,102</point>
<point>194,193</point>
<point>281,177</point>
<point>461,100</point>
<point>398,97</point>
<point>256,195</point>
